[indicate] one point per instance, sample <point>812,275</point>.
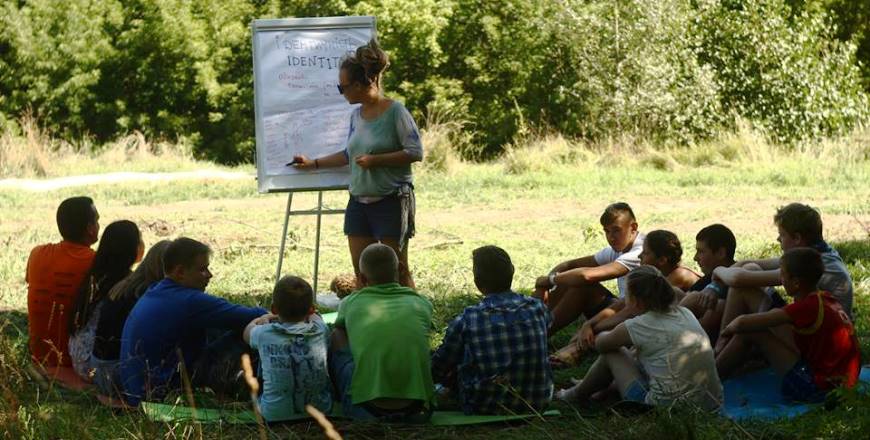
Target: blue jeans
<point>800,385</point>
<point>341,369</point>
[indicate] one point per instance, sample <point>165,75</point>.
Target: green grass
<point>540,217</point>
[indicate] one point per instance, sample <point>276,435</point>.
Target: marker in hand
<point>297,160</point>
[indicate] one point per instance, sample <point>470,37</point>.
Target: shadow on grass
<point>854,252</point>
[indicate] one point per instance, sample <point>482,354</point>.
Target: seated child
<point>663,250</point>
<point>821,352</point>
<point>292,352</point>
<point>120,247</point>
<point>167,332</point>
<point>574,288</point>
<point>748,282</point>
<point>54,273</point>
<point>113,314</point>
<point>673,360</point>
<point>715,246</point>
<point>496,351</point>
<point>380,346</point>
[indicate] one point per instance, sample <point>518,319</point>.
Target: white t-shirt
<point>629,259</point>
<point>676,354</point>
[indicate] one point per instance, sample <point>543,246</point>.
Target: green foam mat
<point>329,318</point>
<point>173,413</point>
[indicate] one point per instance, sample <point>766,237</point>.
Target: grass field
<point>540,214</point>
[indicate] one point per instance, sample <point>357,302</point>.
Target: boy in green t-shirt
<point>380,347</point>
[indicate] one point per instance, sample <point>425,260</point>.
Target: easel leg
<point>284,237</point>
<point>317,240</point>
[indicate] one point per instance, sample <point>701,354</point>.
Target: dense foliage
<point>672,71</point>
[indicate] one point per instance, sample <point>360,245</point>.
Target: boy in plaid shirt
<point>495,352</point>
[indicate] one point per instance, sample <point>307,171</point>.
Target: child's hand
<point>708,299</point>
<point>587,336</point>
<point>265,319</point>
<point>542,283</point>
<point>732,328</point>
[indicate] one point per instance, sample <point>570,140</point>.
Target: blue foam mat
<point>757,396</point>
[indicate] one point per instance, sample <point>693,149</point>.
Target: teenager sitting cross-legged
<point>672,360</point>
<point>167,332</point>
<point>573,287</point>
<point>819,351</point>
<point>495,353</point>
<point>380,346</point>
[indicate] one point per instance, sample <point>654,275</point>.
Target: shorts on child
<point>772,300</point>
<point>799,385</point>
<point>636,391</point>
<point>381,219</point>
<point>605,303</point>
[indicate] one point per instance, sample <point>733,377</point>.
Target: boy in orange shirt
<point>54,273</point>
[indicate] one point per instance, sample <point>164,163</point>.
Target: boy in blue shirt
<point>174,317</point>
<point>495,352</point>
<point>292,347</point>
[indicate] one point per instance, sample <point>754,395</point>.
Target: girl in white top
<point>672,358</point>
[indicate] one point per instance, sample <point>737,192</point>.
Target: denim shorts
<point>799,384</point>
<point>636,392</point>
<point>381,219</point>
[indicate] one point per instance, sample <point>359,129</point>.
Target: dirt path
<point>92,179</point>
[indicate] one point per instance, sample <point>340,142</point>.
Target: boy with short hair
<point>54,273</point>
<point>749,282</point>
<point>715,246</point>
<point>379,350</point>
<point>175,315</point>
<point>820,353</point>
<point>496,351</point>
<point>574,287</point>
<point>292,343</point>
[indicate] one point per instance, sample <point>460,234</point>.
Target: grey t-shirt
<point>394,130</point>
<point>836,280</point>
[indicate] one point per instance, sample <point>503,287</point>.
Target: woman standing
<point>383,142</point>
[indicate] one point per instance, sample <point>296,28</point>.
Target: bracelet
<point>552,279</point>
<point>316,165</point>
<point>720,290</point>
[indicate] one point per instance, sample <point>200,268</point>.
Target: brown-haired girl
<point>383,142</point>
<point>672,358</point>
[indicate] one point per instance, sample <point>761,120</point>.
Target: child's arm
<point>449,353</point>
<point>594,325</point>
<point>764,264</point>
<point>584,275</point>
<point>754,322</point>
<point>587,261</point>
<point>246,334</point>
<point>614,339</point>
<point>740,277</point>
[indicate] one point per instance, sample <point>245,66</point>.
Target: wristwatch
<point>552,279</point>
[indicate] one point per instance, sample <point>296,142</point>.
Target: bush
<point>783,72</point>
<point>671,72</point>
